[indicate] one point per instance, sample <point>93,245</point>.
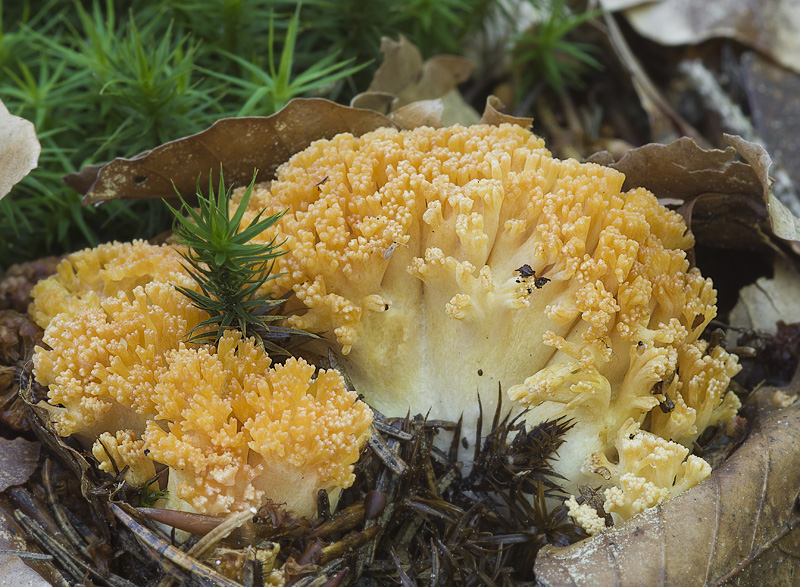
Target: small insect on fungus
<point>526,271</point>
<point>387,254</point>
<point>667,405</point>
<point>321,182</point>
<point>662,386</point>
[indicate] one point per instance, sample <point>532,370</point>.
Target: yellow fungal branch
<point>443,262</point>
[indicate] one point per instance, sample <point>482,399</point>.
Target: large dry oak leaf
<point>705,536</point>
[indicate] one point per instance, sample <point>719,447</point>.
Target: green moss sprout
<point>230,270</point>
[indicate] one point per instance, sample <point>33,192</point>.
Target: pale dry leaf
<point>14,538</point>
<point>404,79</point>
<point>239,145</point>
<point>769,26</point>
<point>20,459</point>
<point>763,303</point>
<point>706,536</point>
<point>406,76</point>
<point>15,573</point>
<point>421,113</point>
<point>19,149</point>
<point>401,66</point>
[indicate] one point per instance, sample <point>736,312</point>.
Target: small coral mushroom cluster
<point>442,264</point>
<point>232,429</point>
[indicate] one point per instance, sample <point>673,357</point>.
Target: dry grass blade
<point>663,118</point>
<point>208,542</point>
<point>148,538</point>
<point>385,453</point>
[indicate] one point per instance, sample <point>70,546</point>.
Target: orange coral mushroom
<point>103,362</point>
<point>445,262</point>
<point>237,431</point>
<point>88,275</point>
<point>232,430</point>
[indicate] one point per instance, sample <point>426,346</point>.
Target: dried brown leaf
<point>402,64</point>
<point>20,459</point>
<point>780,565</point>
<point>240,145</point>
<point>19,149</point>
<point>727,202</point>
<point>706,536</point>
<point>404,79</point>
<point>763,303</point>
<point>492,114</point>
<point>406,76</point>
<point>767,25</point>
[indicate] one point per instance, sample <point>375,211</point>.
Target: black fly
<point>526,271</point>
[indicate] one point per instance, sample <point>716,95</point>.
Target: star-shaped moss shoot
<point>231,270</point>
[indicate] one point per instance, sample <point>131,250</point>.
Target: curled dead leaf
<point>492,114</point>
<point>404,80</point>
<point>19,149</point>
<point>727,203</point>
<point>784,223</point>
<point>239,145</point>
<point>705,536</point>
